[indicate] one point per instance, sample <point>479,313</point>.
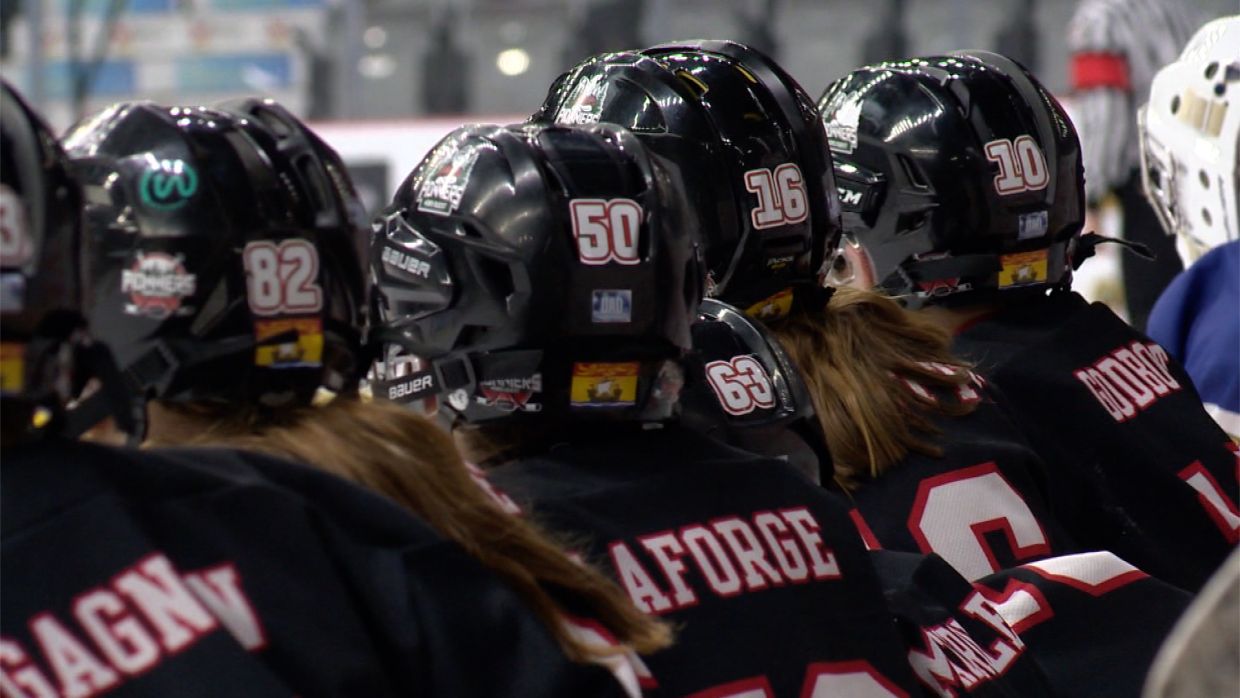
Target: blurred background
<point>382,80</point>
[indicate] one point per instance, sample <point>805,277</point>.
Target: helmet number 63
<point>1022,166</point>
<point>741,385</point>
<point>282,278</point>
<point>606,230</point>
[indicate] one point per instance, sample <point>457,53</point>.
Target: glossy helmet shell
<point>478,269</point>
<point>222,251</point>
<point>40,273</point>
<point>734,121</point>
<point>958,174</point>
<point>742,388</point>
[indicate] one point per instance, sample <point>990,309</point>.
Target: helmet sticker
<point>773,307</point>
<point>604,384</point>
<point>302,343</point>
<point>781,196</point>
<point>606,230</point>
<point>741,384</point>
<point>167,185</point>
<point>441,190</point>
<point>1022,166</point>
<point>582,105</point>
<point>612,306</point>
<point>157,284</point>
<point>12,367</point>
<point>282,279</point>
<point>1032,225</point>
<point>1022,268</point>
<point>510,394</point>
<point>842,127</point>
<point>15,243</point>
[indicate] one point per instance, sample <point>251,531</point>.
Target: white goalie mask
<point>1190,133</point>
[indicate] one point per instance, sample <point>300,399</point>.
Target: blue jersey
<point>1197,319</point>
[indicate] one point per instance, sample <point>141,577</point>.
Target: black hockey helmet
<point>40,273</point>
<point>959,175</point>
<point>538,269</point>
<point>222,250</point>
<point>741,388</point>
<point>750,142</point>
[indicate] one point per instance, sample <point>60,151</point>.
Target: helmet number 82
<point>1022,166</point>
<point>282,278</point>
<point>606,230</point>
<point>741,385</point>
<point>781,196</point>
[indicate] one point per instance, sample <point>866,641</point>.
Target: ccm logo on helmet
<point>741,385</point>
<point>1022,166</point>
<point>1129,379</point>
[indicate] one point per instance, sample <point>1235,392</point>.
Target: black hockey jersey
<point>982,505</point>
<point>1091,621</point>
<point>1122,429</point>
<point>761,570</point>
<point>214,573</point>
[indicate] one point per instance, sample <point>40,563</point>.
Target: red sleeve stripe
<point>1094,70</point>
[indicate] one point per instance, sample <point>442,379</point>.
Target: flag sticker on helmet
<point>1022,268</point>
<point>612,306</point>
<point>12,367</point>
<point>15,243</point>
<point>773,307</point>
<point>157,283</point>
<point>300,342</point>
<point>604,384</point>
<point>443,184</point>
<point>606,230</point>
<point>167,185</point>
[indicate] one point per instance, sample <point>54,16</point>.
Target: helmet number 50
<point>781,196</point>
<point>282,278</point>
<point>1022,166</point>
<point>606,230</point>
<point>741,385</point>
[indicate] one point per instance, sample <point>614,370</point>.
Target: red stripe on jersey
<point>1100,70</point>
<point>867,536</point>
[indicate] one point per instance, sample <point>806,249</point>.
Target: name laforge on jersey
<point>1129,379</point>
<point>123,629</point>
<point>724,557</point>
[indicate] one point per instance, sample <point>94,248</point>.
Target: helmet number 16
<point>781,196</point>
<point>1022,166</point>
<point>283,278</point>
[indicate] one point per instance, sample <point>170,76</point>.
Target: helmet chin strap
<point>1086,245</point>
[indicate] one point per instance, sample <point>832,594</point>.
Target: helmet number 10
<point>1022,166</point>
<point>781,196</point>
<point>282,278</point>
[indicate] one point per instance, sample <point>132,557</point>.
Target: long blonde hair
<point>864,357</point>
<point>404,456</point>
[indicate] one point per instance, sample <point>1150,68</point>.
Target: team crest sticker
<point>157,284</point>
<point>440,191</point>
<point>511,394</point>
<point>583,104</point>
<point>167,185</point>
<point>604,384</point>
<point>842,127</point>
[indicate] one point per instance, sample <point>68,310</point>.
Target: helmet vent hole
<point>495,277</point>
<point>1211,70</point>
<point>1175,104</point>
<point>912,172</point>
<point>1204,178</point>
<point>1205,216</point>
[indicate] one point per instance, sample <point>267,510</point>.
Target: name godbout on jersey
<point>157,283</point>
